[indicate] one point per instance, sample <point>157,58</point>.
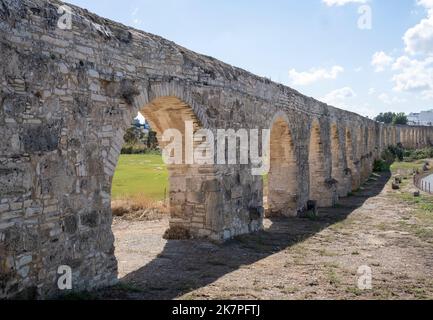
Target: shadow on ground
<point>184,266</point>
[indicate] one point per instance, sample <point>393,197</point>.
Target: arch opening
<point>180,185</point>
<point>282,181</point>
<point>323,189</point>
<point>351,161</point>
<point>338,172</point>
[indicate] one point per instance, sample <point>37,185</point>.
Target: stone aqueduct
<point>67,97</point>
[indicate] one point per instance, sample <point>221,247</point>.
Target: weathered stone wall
<point>67,97</point>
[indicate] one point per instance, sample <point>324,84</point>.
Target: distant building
<point>424,118</point>
<point>141,123</point>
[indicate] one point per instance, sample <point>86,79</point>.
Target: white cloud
<point>339,3</point>
<point>314,75</point>
<point>381,60</point>
<point>386,99</point>
<point>371,91</point>
<point>413,75</point>
<point>339,97</point>
<point>344,98</point>
<point>428,4</point>
<point>419,39</point>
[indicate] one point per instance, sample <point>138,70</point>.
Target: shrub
<point>397,152</point>
<point>380,166</point>
<point>419,154</point>
<point>139,149</point>
<point>388,157</point>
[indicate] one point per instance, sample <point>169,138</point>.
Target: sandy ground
<point>292,259</point>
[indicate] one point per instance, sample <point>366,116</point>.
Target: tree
<point>400,118</point>
<point>386,117</point>
<point>152,141</point>
<point>132,136</point>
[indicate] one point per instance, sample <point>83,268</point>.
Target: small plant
<point>419,154</point>
<point>397,151</point>
<point>380,166</point>
<point>311,215</point>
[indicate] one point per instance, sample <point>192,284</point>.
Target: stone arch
<point>412,138</point>
<point>371,150</point>
<point>364,152</point>
<point>407,138</point>
<point>421,137</point>
<point>402,131</point>
<point>170,113</point>
<point>351,160</point>
<point>400,135</point>
<point>371,138</point>
<point>388,136</point>
<point>377,140</point>
<point>322,187</point>
<point>408,142</point>
<point>393,136</point>
<point>384,137</point>
<point>389,130</point>
<point>360,142</point>
<point>424,131</point>
<point>283,183</point>
<point>338,163</point>
<point>360,149</point>
<point>191,211</point>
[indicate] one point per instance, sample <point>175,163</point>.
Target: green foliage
<point>132,136</point>
<point>397,151</point>
<point>380,166</point>
<point>400,118</point>
<point>419,154</point>
<point>137,142</point>
<point>392,118</point>
<point>152,141</point>
<point>388,157</point>
<point>139,149</point>
<point>386,117</point>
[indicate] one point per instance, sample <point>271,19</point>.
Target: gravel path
<point>292,259</point>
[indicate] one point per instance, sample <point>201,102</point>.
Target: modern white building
<point>424,118</point>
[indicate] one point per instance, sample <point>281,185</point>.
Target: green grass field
<point>140,174</point>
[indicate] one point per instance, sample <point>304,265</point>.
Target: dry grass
<point>139,207</point>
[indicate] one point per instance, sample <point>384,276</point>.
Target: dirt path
<point>292,259</point>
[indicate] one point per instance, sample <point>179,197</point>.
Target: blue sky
<point>314,46</point>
